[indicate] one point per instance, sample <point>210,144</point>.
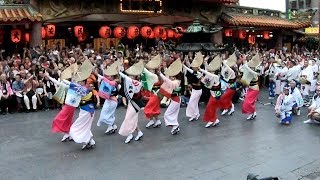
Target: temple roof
<point>19,13</point>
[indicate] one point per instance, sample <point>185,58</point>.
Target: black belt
<point>196,87</point>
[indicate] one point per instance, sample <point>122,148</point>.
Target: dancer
<point>108,91</point>
<point>250,79</point>
<point>228,76</point>
<point>152,84</point>
<point>132,92</point>
<point>80,130</point>
<point>193,77</point>
<point>212,82</point>
<point>306,77</point>
<point>170,88</point>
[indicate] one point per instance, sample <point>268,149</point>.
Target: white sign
<point>279,5</point>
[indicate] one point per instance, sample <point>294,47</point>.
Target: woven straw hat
<point>135,69</point>
<point>112,69</point>
<point>84,71</point>
<point>232,60</point>
<point>255,61</point>
<point>174,69</point>
<point>215,64</point>
<point>69,71</point>
<point>154,63</point>
<point>198,60</point>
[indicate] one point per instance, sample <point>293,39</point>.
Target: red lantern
<point>228,32</point>
<point>159,31</point>
<point>15,35</point>
<point>252,39</point>
<point>178,35</point>
<point>170,33</point>
<point>78,31</point>
<point>105,31</point>
<point>266,35</point>
<point>152,35</point>
<point>82,38</point>
<point>242,34</point>
<point>164,35</point>
<point>27,37</point>
<point>146,32</point>
<point>43,32</point>
<point>119,32</point>
<point>133,32</point>
<point>51,30</point>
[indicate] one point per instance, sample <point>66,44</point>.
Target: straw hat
<point>84,71</point>
<point>174,69</point>
<point>198,60</point>
<point>215,64</point>
<point>154,63</point>
<point>69,71</point>
<point>255,61</point>
<point>135,69</point>
<point>112,69</point>
<point>232,60</point>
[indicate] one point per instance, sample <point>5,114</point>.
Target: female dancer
<point>250,78</point>
<point>171,89</point>
<point>108,91</point>
<point>193,76</point>
<point>132,92</point>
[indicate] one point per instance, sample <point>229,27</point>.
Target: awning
<point>250,20</point>
<point>18,13</point>
<point>222,1</point>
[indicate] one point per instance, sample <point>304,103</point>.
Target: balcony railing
<point>11,2</point>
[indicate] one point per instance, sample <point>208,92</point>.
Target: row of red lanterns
<point>119,32</point>
<point>242,34</point>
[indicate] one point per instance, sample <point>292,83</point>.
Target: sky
<point>279,5</point>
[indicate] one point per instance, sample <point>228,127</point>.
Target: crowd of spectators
<point>24,88</point>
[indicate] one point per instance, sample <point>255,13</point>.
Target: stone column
<point>35,37</point>
<point>217,38</point>
<point>279,39</point>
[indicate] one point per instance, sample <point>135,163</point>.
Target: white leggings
<point>27,101</point>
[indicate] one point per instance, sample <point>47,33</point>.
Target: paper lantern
<point>170,33</point>
<point>159,31</point>
<point>43,32</point>
<point>27,37</point>
<point>146,32</point>
<point>51,30</point>
<point>82,38</point>
<point>164,35</point>
<point>178,35</point>
<point>133,32</point>
<point>78,31</point>
<point>105,31</point>
<point>266,35</point>
<point>228,32</point>
<point>15,35</point>
<point>152,35</point>
<point>242,34</point>
<point>119,32</point>
<point>252,39</point>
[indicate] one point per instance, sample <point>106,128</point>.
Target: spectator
<point>5,95</point>
<point>17,88</point>
<point>30,86</point>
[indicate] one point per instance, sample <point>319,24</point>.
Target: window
<point>293,4</point>
<point>301,4</point>
<point>308,3</point>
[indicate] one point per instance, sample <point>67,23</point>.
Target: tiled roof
<point>251,20</point>
<point>18,13</point>
<point>223,1</point>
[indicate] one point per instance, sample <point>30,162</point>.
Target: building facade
<point>54,21</point>
<point>306,5</point>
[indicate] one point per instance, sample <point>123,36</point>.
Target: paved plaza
<point>28,150</point>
